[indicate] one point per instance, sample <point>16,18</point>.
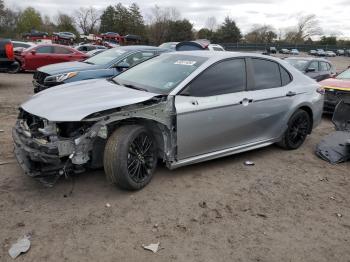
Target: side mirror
<point>311,69</point>
<point>33,52</point>
<point>122,66</point>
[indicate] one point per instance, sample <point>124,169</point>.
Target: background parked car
<point>347,52</point>
<point>7,56</point>
<point>95,52</point>
<point>23,45</point>
<point>109,63</point>
<point>320,52</point>
<point>215,47</point>
<point>337,89</point>
<point>169,45</point>
<point>340,52</point>
<point>330,54</point>
<point>89,47</point>
<point>312,52</point>
<point>41,55</point>
<point>18,48</point>
<point>35,33</point>
<point>294,51</point>
<point>65,35</point>
<point>316,68</point>
<point>284,51</point>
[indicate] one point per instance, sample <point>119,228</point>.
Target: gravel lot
<point>290,206</point>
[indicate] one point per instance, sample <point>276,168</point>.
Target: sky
<point>333,15</point>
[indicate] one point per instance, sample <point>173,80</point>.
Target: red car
<point>337,89</point>
<point>46,54</point>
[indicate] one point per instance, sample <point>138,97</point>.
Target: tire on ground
<point>116,157</point>
<point>285,141</point>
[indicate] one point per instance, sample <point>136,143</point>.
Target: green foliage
<point>180,30</point>
<point>328,40</point>
<point>65,23</point>
<point>228,32</point>
<point>123,20</point>
<point>29,19</point>
<point>205,33</point>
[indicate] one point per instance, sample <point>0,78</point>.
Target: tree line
<point>163,24</point>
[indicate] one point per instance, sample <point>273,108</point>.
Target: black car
<point>35,33</point>
<point>316,68</point>
<point>104,65</point>
<point>7,56</point>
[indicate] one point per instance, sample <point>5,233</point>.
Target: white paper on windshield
<point>185,62</point>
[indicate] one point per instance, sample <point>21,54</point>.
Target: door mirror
<point>122,66</point>
<point>311,69</point>
<point>33,52</point>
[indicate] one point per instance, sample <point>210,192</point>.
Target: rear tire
<point>299,126</point>
<point>130,157</point>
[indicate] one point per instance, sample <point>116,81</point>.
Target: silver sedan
<point>180,108</point>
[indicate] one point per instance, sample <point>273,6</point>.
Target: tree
<point>136,23</point>
<point>179,30</point>
<point>330,40</point>
<point>29,19</point>
<point>261,34</point>
<point>307,27</point>
<point>108,19</point>
<point>205,33</point>
<point>48,25</point>
<point>65,22</point>
<point>87,19</point>
<point>228,32</point>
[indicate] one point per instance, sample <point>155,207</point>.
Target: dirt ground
<point>290,206</point>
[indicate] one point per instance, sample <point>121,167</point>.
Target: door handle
<point>290,93</point>
<point>194,102</point>
<point>246,101</point>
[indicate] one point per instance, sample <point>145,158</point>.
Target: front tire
<point>299,126</point>
<point>130,157</point>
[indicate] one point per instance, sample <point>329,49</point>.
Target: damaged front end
<point>47,150</point>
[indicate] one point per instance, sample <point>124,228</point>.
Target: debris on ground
<point>203,204</point>
<point>249,163</point>
<point>21,246</point>
<point>324,179</point>
<point>6,162</point>
<point>261,215</point>
<point>1,131</point>
<point>332,197</point>
<point>152,247</point>
<point>339,215</point>
<point>108,205</point>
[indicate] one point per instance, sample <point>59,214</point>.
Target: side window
<point>222,78</point>
<point>44,50</point>
<point>266,74</point>
<point>62,50</point>
<point>137,58</point>
<point>217,48</point>
<point>329,67</point>
<point>286,78</point>
<point>314,64</point>
<point>323,66</point>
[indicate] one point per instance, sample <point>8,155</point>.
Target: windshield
<point>299,64</point>
<point>160,74</point>
<point>344,75</point>
<point>105,57</point>
<point>170,45</point>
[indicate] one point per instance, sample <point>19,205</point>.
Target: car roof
<point>307,58</point>
<point>141,47</point>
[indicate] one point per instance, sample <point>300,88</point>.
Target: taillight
<point>321,90</point>
<point>9,51</point>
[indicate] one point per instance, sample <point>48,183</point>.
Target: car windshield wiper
<point>115,82</point>
<point>87,62</point>
<point>135,87</point>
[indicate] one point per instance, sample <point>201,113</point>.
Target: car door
<point>312,70</point>
<point>40,57</point>
<point>62,54</point>
<point>324,72</point>
<point>271,97</point>
<point>211,110</point>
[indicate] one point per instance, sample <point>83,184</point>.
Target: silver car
<point>180,108</point>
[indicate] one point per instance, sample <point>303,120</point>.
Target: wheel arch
<point>309,111</point>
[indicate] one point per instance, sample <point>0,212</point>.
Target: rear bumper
<point>6,66</point>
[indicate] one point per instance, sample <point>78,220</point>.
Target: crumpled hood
<point>66,67</point>
<point>75,101</point>
<point>334,83</point>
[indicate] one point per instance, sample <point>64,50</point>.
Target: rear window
<point>266,74</point>
<point>299,64</point>
<point>323,66</point>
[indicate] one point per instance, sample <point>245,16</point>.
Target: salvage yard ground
<point>289,206</point>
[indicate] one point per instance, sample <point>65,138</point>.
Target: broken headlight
<point>61,77</point>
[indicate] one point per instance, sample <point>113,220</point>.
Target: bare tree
<point>308,26</point>
<point>261,34</point>
<point>211,23</point>
<point>87,19</point>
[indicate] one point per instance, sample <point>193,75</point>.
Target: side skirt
<point>221,153</point>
